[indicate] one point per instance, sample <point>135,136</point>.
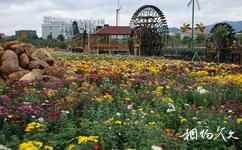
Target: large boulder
<point>24,60</point>
<point>33,65</point>
<point>43,64</point>
<point>28,49</point>
<point>37,64</point>
<point>1,48</point>
<point>41,54</point>
<point>49,81</point>
<point>10,62</point>
<point>32,76</point>
<point>1,51</point>
<point>55,71</point>
<point>49,61</point>
<point>7,45</point>
<point>20,62</point>
<point>17,48</point>
<point>16,75</point>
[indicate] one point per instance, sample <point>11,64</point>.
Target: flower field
<point>125,102</point>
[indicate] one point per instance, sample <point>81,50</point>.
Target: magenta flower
<point>5,99</point>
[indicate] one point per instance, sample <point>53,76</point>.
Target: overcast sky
<point>28,14</point>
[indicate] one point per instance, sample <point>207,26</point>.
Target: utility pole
<point>193,14</point>
<point>89,34</point>
<point>117,13</point>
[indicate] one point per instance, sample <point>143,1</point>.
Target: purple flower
<point>5,99</point>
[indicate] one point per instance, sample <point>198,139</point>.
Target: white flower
<point>194,118</point>
<point>41,119</point>
<point>118,114</point>
<point>4,148</point>
<point>201,90</point>
<point>33,117</point>
<point>10,116</point>
<point>154,147</point>
<point>130,106</point>
<point>187,105</point>
<point>171,108</point>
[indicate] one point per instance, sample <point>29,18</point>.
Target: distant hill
<point>174,30</point>
<point>237,25</point>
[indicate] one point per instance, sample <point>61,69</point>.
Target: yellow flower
<point>109,121</point>
<point>70,78</point>
<point>86,139</point>
<point>118,122</point>
<point>167,99</point>
<point>108,97</point>
<point>151,123</point>
<point>152,112</point>
<point>73,85</point>
<point>75,69</point>
<point>46,147</point>
<point>183,120</point>
<point>168,87</point>
<point>71,147</point>
<point>200,73</point>
<point>239,120</point>
<point>38,143</point>
<point>50,93</point>
<point>28,146</point>
<point>159,89</point>
<point>33,125</point>
<point>153,69</point>
<point>34,145</point>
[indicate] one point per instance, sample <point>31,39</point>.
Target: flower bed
<point>123,102</point>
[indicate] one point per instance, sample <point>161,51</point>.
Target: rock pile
<point>21,62</point>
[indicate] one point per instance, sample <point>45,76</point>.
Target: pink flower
<point>5,99</point>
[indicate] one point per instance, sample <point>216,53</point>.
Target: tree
<point>221,37</point>
<point>201,39</point>
<point>60,37</point>
<point>187,41</point>
<point>240,38</point>
<point>49,37</point>
<point>174,41</point>
<point>35,37</point>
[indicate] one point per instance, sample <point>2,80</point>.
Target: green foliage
<point>187,41</point>
<point>201,40</point>
<point>240,38</point>
<point>49,37</point>
<point>12,38</point>
<point>174,41</point>
<point>220,36</point>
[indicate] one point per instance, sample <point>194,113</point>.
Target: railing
<point>110,46</point>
